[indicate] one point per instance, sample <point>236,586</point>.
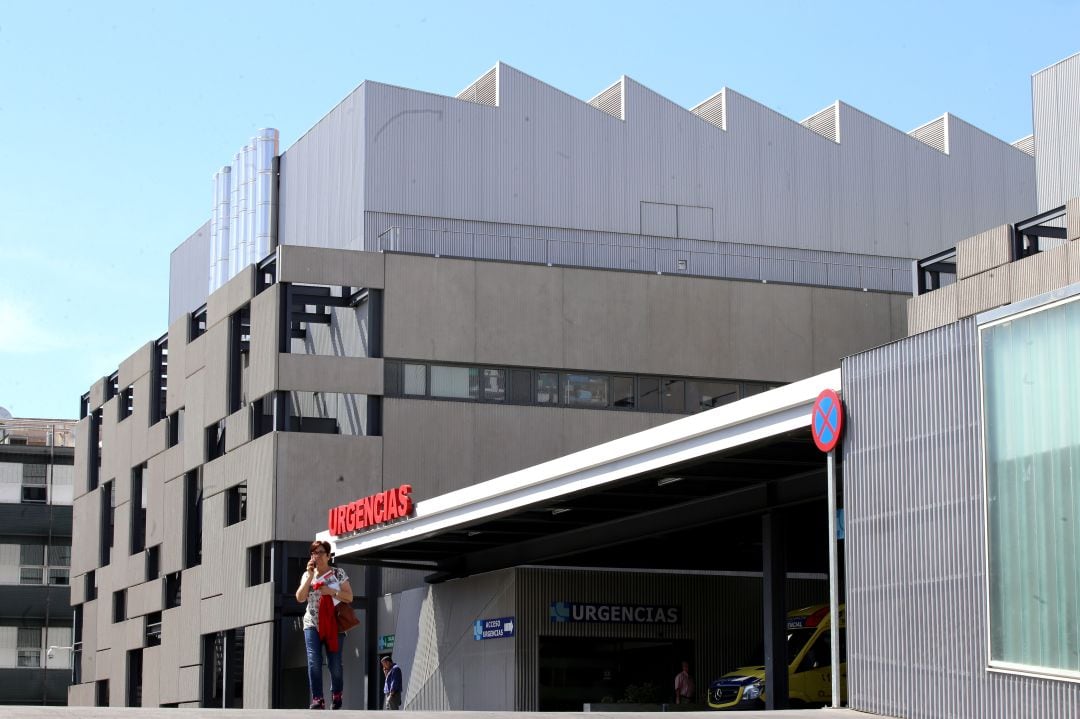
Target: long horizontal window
<point>563,388</point>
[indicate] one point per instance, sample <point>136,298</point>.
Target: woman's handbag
<point>346,617</point>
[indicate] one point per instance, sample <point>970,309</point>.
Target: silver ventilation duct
<point>243,209</point>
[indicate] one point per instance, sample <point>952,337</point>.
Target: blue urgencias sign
<point>493,628</point>
<point>612,613</point>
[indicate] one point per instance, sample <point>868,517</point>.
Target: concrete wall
<point>501,313</point>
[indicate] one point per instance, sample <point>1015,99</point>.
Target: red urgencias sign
<point>371,511</point>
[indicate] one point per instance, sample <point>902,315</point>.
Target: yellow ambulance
<point>809,666</point>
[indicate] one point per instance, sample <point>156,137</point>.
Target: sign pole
<point>834,581</point>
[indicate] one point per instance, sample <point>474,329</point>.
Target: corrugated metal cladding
<point>720,614</point>
<point>915,535</point>
<point>188,267</point>
<point>622,251</point>
<point>1057,132</point>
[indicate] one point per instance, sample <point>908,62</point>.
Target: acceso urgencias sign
<point>612,613</point>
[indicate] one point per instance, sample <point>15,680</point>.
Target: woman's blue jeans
<point>314,663</point>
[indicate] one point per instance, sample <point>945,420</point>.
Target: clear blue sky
<point>114,116</point>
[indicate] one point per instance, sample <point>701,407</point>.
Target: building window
<point>521,386</point>
<point>193,502</point>
<point>547,388</point>
<point>108,514</point>
<point>236,504</point>
<point>138,509</point>
<point>414,380</point>
<point>94,445</point>
<point>176,427</point>
<point>59,564</point>
<point>31,563</point>
<point>134,677</point>
<point>702,395</point>
<point>90,586</point>
<point>622,392</point>
<point>172,590</point>
<point>127,403</point>
<point>28,647</point>
<point>119,606</point>
<point>153,562</point>
<point>34,490</point>
<point>494,384</point>
<point>223,669</point>
<point>153,629</point>
<point>585,390</point>
<point>101,693</point>
<point>197,326</point>
<point>159,380</point>
<point>452,382</point>
<point>215,441</point>
<point>673,395</point>
<point>1030,393</point>
<point>76,645</point>
<point>259,564</point>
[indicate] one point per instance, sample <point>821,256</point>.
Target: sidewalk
<point>25,712</point>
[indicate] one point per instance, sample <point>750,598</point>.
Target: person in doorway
<point>684,685</point>
<point>322,587</point>
<point>392,685</point>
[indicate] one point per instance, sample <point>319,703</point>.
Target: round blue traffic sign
<point>827,420</point>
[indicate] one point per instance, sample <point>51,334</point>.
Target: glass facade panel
<point>547,388</point>
<point>414,381</point>
<point>702,395</point>
<point>585,390</point>
<point>1031,404</point>
<point>622,392</point>
<point>673,393</point>
<point>454,382</point>
<point>494,385</point>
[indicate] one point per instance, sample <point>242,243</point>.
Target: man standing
<point>684,685</point>
<point>392,685</point>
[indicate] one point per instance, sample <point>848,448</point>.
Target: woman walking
<point>322,587</point>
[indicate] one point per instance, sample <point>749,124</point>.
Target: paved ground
<point>103,712</point>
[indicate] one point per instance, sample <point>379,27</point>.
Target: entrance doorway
<point>576,671</point>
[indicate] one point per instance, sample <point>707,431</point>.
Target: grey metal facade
<point>730,188</point>
<point>914,503</point>
<point>1056,115</point>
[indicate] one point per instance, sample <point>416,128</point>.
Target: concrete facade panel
<point>97,394</point>
<point>194,442</point>
<point>334,267</point>
<point>983,251</point>
<point>358,375</point>
<point>782,313</point>
<point>1038,273</point>
<point>213,567</point>
<point>81,473</point>
<point>189,650</point>
<point>231,296</point>
<point>188,683</point>
<point>932,309</point>
<point>435,299</point>
<point>983,292</point>
<point>178,334</point>
<point>238,428</point>
<point>216,374</point>
<point>844,323</point>
<point>195,355</point>
<point>258,644</point>
<point>319,471</point>
<point>600,320</point>
<point>154,483</point>
<point>264,348</point>
<point>509,299</point>
<point>82,694</point>
<point>86,515</point>
<point>172,545</point>
<point>136,365</point>
<point>151,677</point>
<point>171,630</point>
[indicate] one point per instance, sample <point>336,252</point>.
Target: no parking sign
<point>827,420</point>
